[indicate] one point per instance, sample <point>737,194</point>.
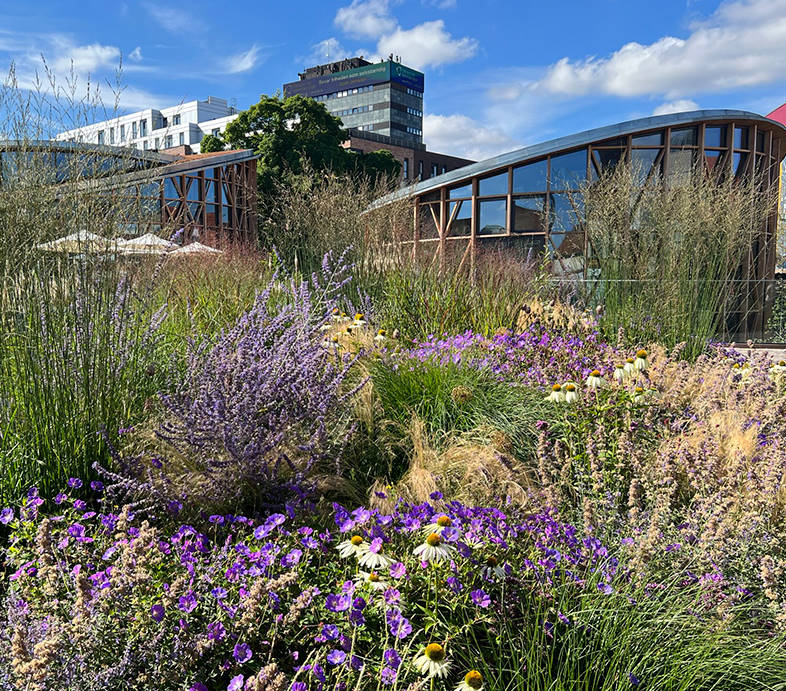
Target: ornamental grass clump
<point>263,410</point>
<point>111,599</point>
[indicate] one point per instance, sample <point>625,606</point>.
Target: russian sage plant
<point>265,407</point>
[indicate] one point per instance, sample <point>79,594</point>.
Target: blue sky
<point>499,73</point>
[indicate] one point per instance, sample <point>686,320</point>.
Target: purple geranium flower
<point>157,612</point>
<point>605,588</point>
<point>237,683</point>
<point>74,482</point>
<point>199,686</point>
<point>97,485</point>
<point>480,598</point>
<point>6,516</point>
<point>187,602</point>
<point>399,624</point>
<point>392,658</point>
<point>336,657</point>
<point>338,603</point>
<point>216,631</point>
<point>242,653</point>
<point>398,570</point>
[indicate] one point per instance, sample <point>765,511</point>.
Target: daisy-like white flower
<point>630,366</point>
<point>336,315</point>
<point>373,558</point>
<point>381,335</point>
<point>620,373</point>
<point>779,367</point>
<point>594,380</point>
<point>331,343</point>
<point>347,332</point>
<point>358,321</point>
<point>472,681</point>
<point>640,363</point>
<point>437,526</point>
<point>356,546</point>
<point>492,569</point>
<point>432,662</point>
<point>556,395</point>
<point>434,550</point>
<point>571,393</point>
<point>372,579</point>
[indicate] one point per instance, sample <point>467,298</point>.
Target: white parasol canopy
<point>146,244</point>
<point>78,243</point>
<point>195,248</point>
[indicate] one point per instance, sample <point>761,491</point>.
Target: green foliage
<point>210,143</point>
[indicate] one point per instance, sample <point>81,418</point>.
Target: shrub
<point>260,407</point>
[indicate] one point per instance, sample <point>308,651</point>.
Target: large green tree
<point>296,134</point>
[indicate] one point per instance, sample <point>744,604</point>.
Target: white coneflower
<point>472,681</point>
<point>326,327</point>
<point>373,558</point>
<point>629,366</point>
<point>437,526</point>
<point>779,367</point>
<point>640,363</point>
<point>381,335</point>
<point>571,393</point>
<point>337,316</point>
<point>556,394</point>
<point>372,579</point>
<point>356,546</point>
<point>432,662</point>
<point>360,320</point>
<point>492,569</point>
<point>639,395</point>
<point>746,370</point>
<point>620,374</point>
<point>434,550</point>
<point>331,342</point>
<point>594,380</point>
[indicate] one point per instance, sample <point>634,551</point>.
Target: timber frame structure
<point>522,200</point>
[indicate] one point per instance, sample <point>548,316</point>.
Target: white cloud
<point>679,106</point>
<point>85,58</point>
<point>326,51</point>
<point>242,62</point>
<point>136,54</point>
<point>365,19</point>
<point>427,45</point>
<point>174,19</point>
<point>740,45</point>
<point>460,135</point>
<point>441,4</point>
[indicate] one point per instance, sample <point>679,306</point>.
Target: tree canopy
<point>294,134</point>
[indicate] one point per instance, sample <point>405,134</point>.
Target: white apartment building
<point>156,130</point>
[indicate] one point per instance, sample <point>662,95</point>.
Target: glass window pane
<point>212,215</point>
<point>685,136</point>
<point>652,139</point>
<point>569,170</point>
<point>531,177</point>
<point>193,189</point>
<point>619,141</point>
<point>642,161</point>
<point>760,141</point>
<point>740,137</point>
<point>607,159</point>
<point>714,159</point>
<point>740,164</point>
<point>529,214</point>
<point>427,222</point>
<point>492,217</point>
<point>462,222</point>
<point>496,185</point>
<point>715,136</point>
<point>459,192</point>
<point>170,191</point>
<point>681,164</point>
<point>564,213</point>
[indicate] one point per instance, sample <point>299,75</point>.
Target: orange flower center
<point>444,521</point>
<point>356,540</point>
<point>473,679</point>
<point>435,652</point>
<point>434,539</point>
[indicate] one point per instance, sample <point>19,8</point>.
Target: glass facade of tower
<point>385,98</point>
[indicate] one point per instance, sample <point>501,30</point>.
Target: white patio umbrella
<point>80,242</point>
<point>146,244</point>
<point>194,248</point>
